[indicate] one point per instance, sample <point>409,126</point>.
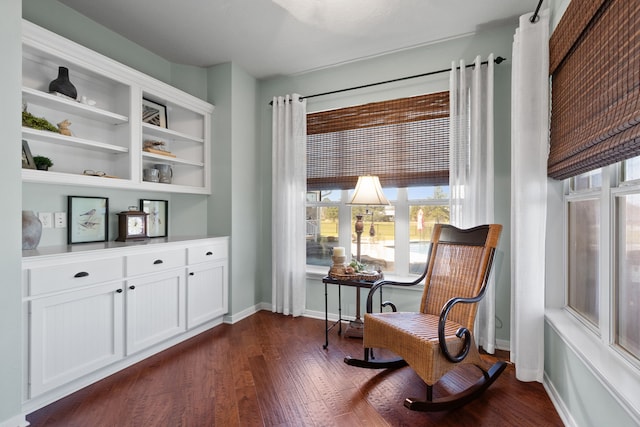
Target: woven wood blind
<point>595,68</point>
<point>404,141</point>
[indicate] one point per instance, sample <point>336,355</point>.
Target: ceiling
<point>283,37</point>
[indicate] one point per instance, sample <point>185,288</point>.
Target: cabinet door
<point>206,292</point>
<point>73,334</point>
<point>155,309</point>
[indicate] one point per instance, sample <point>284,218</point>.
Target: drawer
<point>154,261</point>
<point>208,252</point>
<point>73,275</point>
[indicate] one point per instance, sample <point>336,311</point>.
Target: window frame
<point>596,348</point>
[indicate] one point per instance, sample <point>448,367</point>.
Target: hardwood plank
<point>271,370</point>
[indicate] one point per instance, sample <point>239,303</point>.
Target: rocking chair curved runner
<point>439,337</point>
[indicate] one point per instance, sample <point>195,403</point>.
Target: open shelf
<point>159,132</point>
<point>63,104</point>
<point>56,138</point>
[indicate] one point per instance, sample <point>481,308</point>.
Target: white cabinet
<point>73,334</point>
<point>207,282</point>
<point>109,137</point>
<point>97,308</point>
<point>155,309</point>
<point>206,292</point>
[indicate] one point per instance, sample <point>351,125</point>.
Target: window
<point>602,289</point>
<point>401,235</point>
<point>323,220</point>
<point>405,142</point>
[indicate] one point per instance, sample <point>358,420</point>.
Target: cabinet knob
<point>209,253</point>
<point>192,274</point>
<point>119,291</point>
<point>81,274</point>
<point>158,261</point>
<point>132,287</point>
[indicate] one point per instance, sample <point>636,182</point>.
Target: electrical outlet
<point>60,219</point>
<point>46,218</point>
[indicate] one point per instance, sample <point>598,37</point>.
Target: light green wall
<point>405,63</point>
<point>10,216</point>
<point>236,210</point>
<point>583,395</point>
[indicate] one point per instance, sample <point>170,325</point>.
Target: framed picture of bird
<point>87,219</point>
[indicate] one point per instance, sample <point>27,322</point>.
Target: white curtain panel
<point>289,185</point>
<point>471,171</point>
<point>529,153</point>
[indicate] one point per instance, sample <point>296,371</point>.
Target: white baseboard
<point>231,319</point>
<point>17,421</point>
<point>558,403</point>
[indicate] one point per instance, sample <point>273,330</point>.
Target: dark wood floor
<point>271,370</point>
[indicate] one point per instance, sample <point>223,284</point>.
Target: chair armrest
<point>459,333</point>
<point>380,283</point>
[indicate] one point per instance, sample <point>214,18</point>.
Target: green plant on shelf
<point>39,123</point>
<point>42,162</point>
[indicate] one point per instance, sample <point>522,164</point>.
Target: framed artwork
<point>27,158</point>
<point>154,113</point>
<point>87,219</point>
<point>158,218</point>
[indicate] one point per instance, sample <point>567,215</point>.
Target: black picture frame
<point>27,158</point>
<point>158,218</point>
<point>87,219</point>
<point>154,113</point>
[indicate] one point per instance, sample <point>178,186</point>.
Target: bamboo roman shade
<point>595,68</point>
<point>403,141</point>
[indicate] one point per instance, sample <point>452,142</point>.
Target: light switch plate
<point>46,218</point>
<point>60,219</point>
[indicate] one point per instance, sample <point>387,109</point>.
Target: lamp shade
<point>368,192</point>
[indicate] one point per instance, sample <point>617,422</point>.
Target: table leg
<point>326,319</point>
<point>339,310</point>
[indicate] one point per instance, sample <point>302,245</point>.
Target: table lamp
<point>368,192</point>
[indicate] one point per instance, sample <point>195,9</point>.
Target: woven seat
<point>439,337</point>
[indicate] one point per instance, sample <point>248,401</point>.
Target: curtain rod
<point>498,60</point>
<point>535,17</point>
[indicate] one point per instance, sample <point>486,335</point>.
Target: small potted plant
<point>42,163</point>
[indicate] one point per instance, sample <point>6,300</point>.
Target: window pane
<point>423,193</point>
<point>631,169</point>
<point>323,196</point>
<point>322,234</point>
<point>421,221</point>
<point>377,240</point>
<point>587,181</point>
<point>584,230</point>
<point>628,280</point>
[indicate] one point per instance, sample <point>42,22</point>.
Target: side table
<point>342,282</point>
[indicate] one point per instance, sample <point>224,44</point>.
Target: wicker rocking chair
<point>439,337</point>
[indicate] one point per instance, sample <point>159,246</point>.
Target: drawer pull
<point>132,287</point>
<point>119,291</point>
<point>158,261</point>
<point>192,274</point>
<point>81,274</point>
<point>209,253</point>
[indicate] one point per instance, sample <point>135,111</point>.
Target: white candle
<point>338,251</point>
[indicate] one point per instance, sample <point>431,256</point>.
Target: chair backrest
<point>458,266</point>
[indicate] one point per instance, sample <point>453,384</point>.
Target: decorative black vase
<point>63,85</point>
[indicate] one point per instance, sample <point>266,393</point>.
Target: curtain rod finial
<point>499,60</point>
